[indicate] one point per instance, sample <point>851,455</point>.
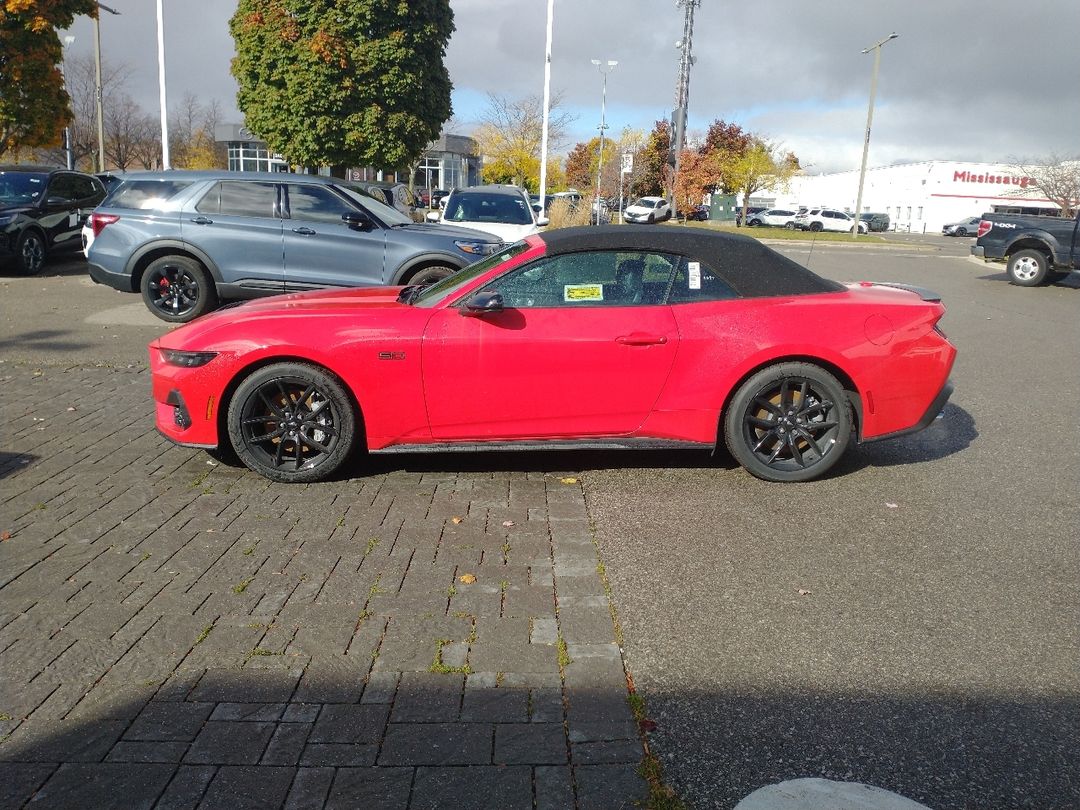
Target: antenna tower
<point>682,89</point>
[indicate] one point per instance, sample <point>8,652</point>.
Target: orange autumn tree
<point>34,106</point>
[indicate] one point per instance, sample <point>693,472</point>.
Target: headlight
<point>478,248</point>
<point>187,359</point>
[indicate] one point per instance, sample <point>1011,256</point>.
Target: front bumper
<point>186,400</point>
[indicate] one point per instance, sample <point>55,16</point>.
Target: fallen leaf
<point>569,480</point>
<point>804,592</point>
<point>468,579</point>
<point>508,523</point>
<point>893,505</point>
<point>647,725</point>
<point>5,536</point>
<point>73,408</point>
<point>456,520</point>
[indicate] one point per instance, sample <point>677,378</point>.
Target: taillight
<point>984,227</point>
<point>99,221</point>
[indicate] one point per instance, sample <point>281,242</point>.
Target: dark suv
<point>189,239</point>
<point>42,210</point>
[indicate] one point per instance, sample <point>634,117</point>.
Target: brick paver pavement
<point>177,634</point>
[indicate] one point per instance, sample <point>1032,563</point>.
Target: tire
<point>798,442</point>
<point>292,422</point>
<point>1028,268</point>
<point>752,223</point>
<point>30,252</point>
<point>651,219</point>
<point>790,226</point>
<point>961,231</point>
<point>178,289</point>
<point>815,226</point>
<point>429,275</point>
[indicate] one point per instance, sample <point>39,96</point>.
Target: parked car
<point>698,213</point>
<point>503,211</point>
<point>42,211</point>
<point>187,240</point>
<point>965,227</point>
<point>647,209</point>
<point>1036,250</point>
<point>776,217</point>
<point>110,180</point>
<point>827,219</point>
<point>876,222</point>
<point>750,211</point>
<point>588,336</point>
<point>431,200</point>
<point>396,195</point>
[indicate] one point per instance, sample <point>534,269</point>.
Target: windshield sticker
<point>583,292</point>
<point>695,275</point>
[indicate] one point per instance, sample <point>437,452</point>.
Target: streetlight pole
<point>610,65</point>
<point>69,157</point>
<point>869,120</point>
<point>161,86</point>
<point>97,85</point>
<point>547,106</point>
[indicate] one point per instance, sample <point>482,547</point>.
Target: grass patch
<point>439,667</point>
<point>264,651</point>
<point>242,585</point>
<point>203,635</point>
<point>564,657</point>
<point>375,590</point>
<point>371,544</point>
<point>249,551</point>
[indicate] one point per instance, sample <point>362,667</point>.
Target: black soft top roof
<point>754,270</point>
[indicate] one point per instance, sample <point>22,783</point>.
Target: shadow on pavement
<point>50,340</point>
<point>11,463</point>
<point>952,433</point>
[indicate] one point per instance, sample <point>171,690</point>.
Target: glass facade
<point>252,156</point>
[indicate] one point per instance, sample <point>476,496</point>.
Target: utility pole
<point>682,90</point>
<point>97,85</point>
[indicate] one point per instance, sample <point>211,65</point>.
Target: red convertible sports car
<point>611,336</point>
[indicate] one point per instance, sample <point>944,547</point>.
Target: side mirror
<point>483,303</point>
<point>433,216</point>
<point>357,220</point>
<point>542,221</point>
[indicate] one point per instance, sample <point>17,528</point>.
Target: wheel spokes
<point>787,423</point>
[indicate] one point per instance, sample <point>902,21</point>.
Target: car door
<point>236,224</point>
<point>321,250</point>
<point>581,348</point>
<point>59,216</point>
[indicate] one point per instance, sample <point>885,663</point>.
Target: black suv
<point>43,210</point>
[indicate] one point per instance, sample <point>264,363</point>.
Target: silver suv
<point>188,240</point>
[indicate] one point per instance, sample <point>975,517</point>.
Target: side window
<point>598,278</point>
<point>696,281</point>
<point>239,199</point>
<point>316,204</point>
<point>84,187</point>
<point>62,187</point>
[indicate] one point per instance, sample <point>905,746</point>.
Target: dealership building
<point>919,197</point>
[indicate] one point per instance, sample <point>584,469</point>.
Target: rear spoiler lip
<point>922,292</point>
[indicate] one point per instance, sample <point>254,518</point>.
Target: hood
<point>503,231</point>
<point>10,209</point>
<point>442,231</point>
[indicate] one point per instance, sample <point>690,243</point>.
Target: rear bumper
<point>936,407</point>
<point>118,281</point>
<point>978,252</point>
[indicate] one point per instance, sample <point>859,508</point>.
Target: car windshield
<point>505,209</point>
<point>21,187</point>
<point>429,296</point>
<point>645,202</point>
<point>391,216</point>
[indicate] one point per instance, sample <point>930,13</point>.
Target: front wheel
<point>292,422</point>
<point>816,226</point>
<point>1027,268</point>
<point>789,422</point>
<point>429,275</point>
<point>177,289</point>
<point>789,226</point>
<point>30,253</point>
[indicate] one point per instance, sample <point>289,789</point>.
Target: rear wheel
<point>30,253</point>
<point>178,289</point>
<point>961,231</point>
<point>292,422</point>
<point>789,226</point>
<point>429,275</point>
<point>815,226</point>
<point>1027,268</point>
<point>789,422</point>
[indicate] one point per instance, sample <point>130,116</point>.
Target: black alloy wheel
<point>177,289</point>
<point>30,253</point>
<point>961,231</point>
<point>292,422</point>
<point>790,422</point>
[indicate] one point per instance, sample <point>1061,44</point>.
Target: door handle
<point>641,339</point>
<point>203,221</point>
<point>304,231</point>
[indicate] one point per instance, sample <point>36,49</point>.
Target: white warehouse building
<point>921,197</point>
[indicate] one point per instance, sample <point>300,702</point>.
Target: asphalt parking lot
<point>175,633</point>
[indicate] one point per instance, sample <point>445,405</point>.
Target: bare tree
<point>510,137</point>
<point>1057,178</point>
<point>131,136</point>
<point>191,134</point>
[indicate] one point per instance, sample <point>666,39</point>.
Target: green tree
<point>724,144</point>
<point>650,162</point>
<point>34,106</point>
<point>343,82</point>
<point>760,167</point>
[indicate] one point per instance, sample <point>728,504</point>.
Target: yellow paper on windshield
<point>583,292</point>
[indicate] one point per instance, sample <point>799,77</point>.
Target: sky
<point>992,81</point>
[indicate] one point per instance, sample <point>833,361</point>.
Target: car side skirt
<point>624,443</point>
